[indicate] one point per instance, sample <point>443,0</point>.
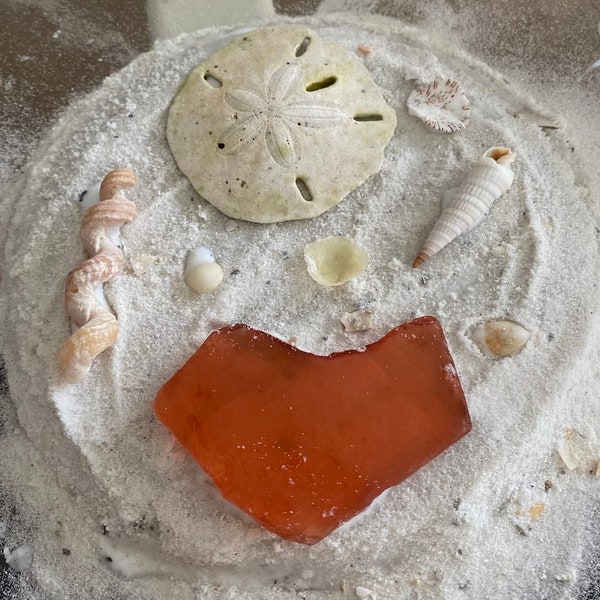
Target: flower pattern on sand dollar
<point>275,116</point>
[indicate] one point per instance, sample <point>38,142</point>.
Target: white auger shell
<point>489,178</point>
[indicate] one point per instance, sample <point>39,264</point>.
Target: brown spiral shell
<point>98,326</point>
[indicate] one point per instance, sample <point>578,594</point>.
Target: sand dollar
<point>279,125</point>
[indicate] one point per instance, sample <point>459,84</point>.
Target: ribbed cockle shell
<point>489,178</point>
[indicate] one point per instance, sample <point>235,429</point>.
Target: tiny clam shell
<point>440,104</point>
<point>202,274</point>
<point>335,260</point>
<point>76,355</point>
<point>359,320</point>
<point>500,338</point>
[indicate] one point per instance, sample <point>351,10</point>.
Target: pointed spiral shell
<point>98,327</point>
<point>489,178</point>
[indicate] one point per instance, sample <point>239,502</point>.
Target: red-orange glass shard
<point>303,443</point>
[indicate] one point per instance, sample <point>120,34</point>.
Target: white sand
<point>478,521</point>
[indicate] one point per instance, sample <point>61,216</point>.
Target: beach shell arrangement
<point>500,338</point>
<point>97,325</point>
<point>441,104</point>
<point>335,260</point>
<point>466,207</point>
<point>202,273</point>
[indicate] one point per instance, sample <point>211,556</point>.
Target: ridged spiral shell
<point>98,327</point>
<point>489,178</point>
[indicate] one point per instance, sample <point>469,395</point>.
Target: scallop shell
<point>491,176</point>
<point>335,260</point>
<point>359,320</point>
<point>202,273</point>
<point>500,338</point>
<point>99,232</point>
<point>440,104</point>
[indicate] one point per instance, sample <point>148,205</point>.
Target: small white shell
<point>440,104</point>
<point>579,452</point>
<point>566,455</point>
<point>141,264</point>
<point>335,260</point>
<point>500,338</point>
<point>359,320</point>
<point>491,176</point>
<point>231,225</point>
<point>202,273</point>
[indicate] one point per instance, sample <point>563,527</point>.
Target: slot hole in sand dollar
<point>366,118</point>
<point>303,47</point>
<point>322,84</point>
<point>303,189</point>
<point>212,80</point>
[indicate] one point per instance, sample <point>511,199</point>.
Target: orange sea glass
<point>303,443</point>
